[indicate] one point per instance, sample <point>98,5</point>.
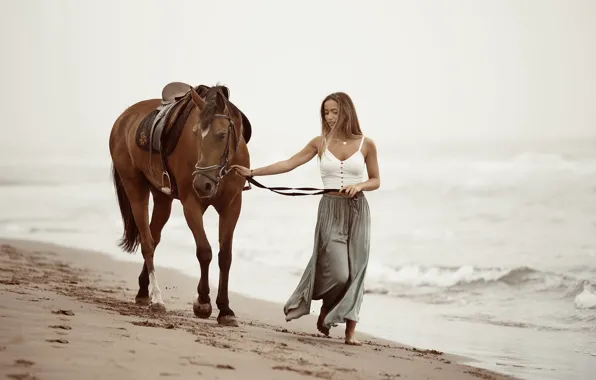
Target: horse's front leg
<point>228,217</point>
<point>193,212</point>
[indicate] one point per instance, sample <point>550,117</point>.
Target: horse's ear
<point>202,90</point>
<point>220,101</point>
<point>196,99</point>
<point>226,92</point>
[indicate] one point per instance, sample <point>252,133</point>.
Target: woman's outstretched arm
<point>298,159</point>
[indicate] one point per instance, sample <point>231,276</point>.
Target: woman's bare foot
<point>353,342</point>
<point>320,327</point>
<point>350,332</point>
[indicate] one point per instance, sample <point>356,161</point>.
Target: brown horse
<point>203,135</point>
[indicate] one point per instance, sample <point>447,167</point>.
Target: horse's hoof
<point>145,301</point>
<point>227,320</point>
<point>202,310</point>
<point>158,307</point>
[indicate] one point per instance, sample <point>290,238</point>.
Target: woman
<point>336,270</point>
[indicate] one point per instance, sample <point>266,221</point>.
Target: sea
<point>485,249</point>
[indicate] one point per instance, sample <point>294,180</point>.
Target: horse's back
<point>122,137</point>
<point>133,115</point>
<point>129,120</point>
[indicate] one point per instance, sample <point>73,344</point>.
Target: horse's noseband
<point>222,167</point>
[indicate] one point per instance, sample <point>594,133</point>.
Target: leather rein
<point>281,190</point>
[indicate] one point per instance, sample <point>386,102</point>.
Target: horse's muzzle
<point>205,185</point>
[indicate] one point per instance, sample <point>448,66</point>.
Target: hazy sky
<point>415,69</point>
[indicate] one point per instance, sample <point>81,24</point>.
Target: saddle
<point>173,91</point>
<point>161,129</point>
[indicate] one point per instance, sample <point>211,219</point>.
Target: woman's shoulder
<point>316,141</point>
<point>368,142</point>
<point>368,145</point>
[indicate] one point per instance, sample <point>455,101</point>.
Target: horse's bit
<point>223,164</point>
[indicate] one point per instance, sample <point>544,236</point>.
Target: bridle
<point>221,169</point>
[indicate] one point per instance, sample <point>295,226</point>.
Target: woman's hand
<point>241,170</point>
<point>351,190</point>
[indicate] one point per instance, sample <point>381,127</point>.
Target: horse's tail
<point>130,238</point>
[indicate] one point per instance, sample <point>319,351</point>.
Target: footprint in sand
<point>480,374</point>
<point>23,363</point>
<point>63,341</point>
<point>224,366</point>
<point>319,374</point>
<point>389,376</point>
<point>63,327</point>
<point>192,361</point>
<point>306,341</point>
<point>340,369</point>
<point>22,376</point>
<point>64,312</point>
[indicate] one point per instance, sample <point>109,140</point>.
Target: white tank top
<point>337,174</point>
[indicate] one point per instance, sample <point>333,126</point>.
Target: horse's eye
<point>221,135</point>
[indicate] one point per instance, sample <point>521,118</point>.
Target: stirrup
<point>166,189</point>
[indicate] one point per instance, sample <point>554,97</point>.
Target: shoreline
<point>37,277</point>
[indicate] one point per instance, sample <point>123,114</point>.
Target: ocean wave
<point>585,318</point>
<point>506,323</point>
<point>550,325</point>
<point>584,295</point>
<point>442,285</point>
<point>464,276</point>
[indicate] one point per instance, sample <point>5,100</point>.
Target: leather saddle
<point>173,91</point>
<point>171,96</point>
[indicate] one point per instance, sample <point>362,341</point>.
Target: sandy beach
<point>70,314</point>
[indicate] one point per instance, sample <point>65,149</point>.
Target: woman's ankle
<point>351,333</point>
<point>350,328</point>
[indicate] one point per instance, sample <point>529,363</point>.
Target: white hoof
<point>157,307</point>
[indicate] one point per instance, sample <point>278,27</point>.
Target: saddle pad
<point>163,127</point>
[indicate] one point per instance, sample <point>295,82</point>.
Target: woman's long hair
<point>347,122</point>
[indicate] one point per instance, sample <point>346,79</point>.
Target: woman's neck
<point>338,136</point>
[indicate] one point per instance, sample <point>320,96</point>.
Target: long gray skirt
<point>337,267</point>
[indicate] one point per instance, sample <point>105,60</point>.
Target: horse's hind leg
<point>137,191</point>
<point>162,208</point>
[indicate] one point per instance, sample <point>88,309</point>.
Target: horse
<point>202,135</point>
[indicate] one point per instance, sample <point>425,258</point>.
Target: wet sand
<point>70,314</point>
